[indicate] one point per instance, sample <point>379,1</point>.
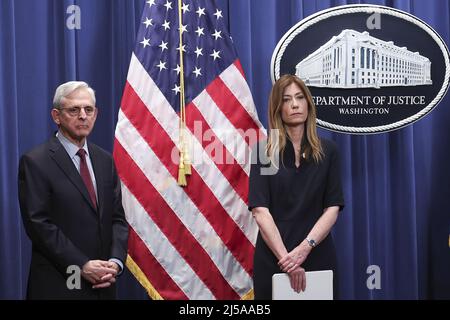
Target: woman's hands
<point>295,258</point>
<point>291,264</point>
<point>297,278</point>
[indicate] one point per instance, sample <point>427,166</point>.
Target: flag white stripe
<point>223,129</point>
<point>161,248</point>
<point>234,80</point>
<point>181,204</point>
<point>157,104</point>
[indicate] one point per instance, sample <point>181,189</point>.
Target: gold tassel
<point>181,177</point>
<point>184,167</point>
<point>187,159</point>
<point>187,167</point>
<point>182,172</point>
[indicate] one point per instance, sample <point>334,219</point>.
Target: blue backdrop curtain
<point>396,184</point>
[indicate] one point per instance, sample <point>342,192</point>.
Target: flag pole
<point>184,167</point>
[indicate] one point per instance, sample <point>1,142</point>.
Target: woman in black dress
<point>296,204</point>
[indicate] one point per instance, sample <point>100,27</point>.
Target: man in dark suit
<point>71,206</point>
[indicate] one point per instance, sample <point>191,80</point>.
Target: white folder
<point>319,286</point>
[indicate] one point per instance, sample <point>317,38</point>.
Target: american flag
<point>193,242</point>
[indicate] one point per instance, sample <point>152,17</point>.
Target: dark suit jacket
<point>62,223</point>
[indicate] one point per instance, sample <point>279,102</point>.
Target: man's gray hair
<point>67,88</point>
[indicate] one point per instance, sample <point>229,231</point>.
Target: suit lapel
<point>62,159</point>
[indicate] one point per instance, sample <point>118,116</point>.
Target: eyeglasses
<point>75,111</point>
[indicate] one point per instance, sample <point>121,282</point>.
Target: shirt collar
<point>69,146</point>
<point>289,153</point>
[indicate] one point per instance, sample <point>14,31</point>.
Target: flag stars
<point>163,46</point>
<point>185,8</point>
<point>148,22</point>
<point>161,65</point>
<point>216,34</point>
<point>197,72</point>
<point>198,51</point>
<point>183,28</point>
<point>218,14</point>
<point>145,42</point>
<point>176,89</point>
<point>215,55</point>
<point>166,25</point>
<point>177,69</point>
<point>199,31</point>
<point>168,5</point>
<point>200,12</point>
<point>182,48</point>
<point>151,2</point>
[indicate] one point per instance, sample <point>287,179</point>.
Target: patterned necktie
<point>84,172</point>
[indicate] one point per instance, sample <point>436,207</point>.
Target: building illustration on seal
<point>357,60</point>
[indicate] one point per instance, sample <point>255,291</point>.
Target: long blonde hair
<point>312,145</point>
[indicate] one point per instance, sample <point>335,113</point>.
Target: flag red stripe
<point>231,107</point>
<point>205,200</point>
<point>169,223</point>
<point>233,172</point>
<point>238,65</point>
<point>155,273</point>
